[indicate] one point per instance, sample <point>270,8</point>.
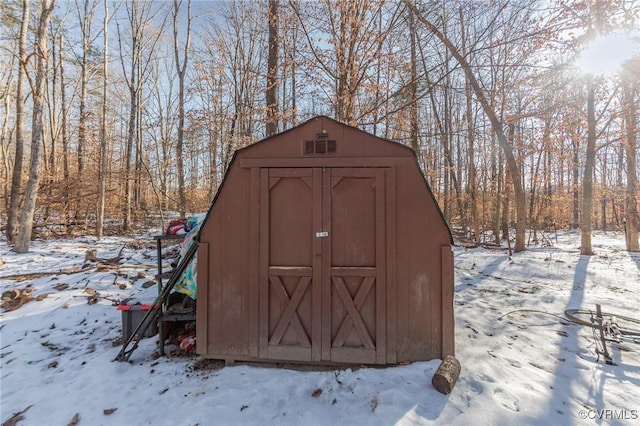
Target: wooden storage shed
<point>325,245</point>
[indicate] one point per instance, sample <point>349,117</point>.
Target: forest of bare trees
<point>115,112</point>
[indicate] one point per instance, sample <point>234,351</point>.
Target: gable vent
<point>320,147</point>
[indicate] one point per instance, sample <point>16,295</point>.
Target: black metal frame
<point>156,311</point>
<point>163,316</point>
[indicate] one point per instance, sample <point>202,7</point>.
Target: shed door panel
<point>289,198</point>
<point>354,266</point>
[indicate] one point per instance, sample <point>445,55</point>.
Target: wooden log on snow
<point>446,375</point>
<point>92,256</point>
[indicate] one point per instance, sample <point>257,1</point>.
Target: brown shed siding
<point>325,258</point>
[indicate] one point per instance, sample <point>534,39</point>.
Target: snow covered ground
<point>522,363</point>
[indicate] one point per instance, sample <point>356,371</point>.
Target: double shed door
<point>323,258</point>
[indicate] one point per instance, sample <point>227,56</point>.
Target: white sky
<point>606,54</point>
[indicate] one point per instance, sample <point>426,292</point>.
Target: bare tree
<point>516,176</point>
<point>472,184</point>
<point>209,87</point>
<point>64,135</point>
<point>630,112</point>
<point>181,68</point>
<point>102,176</point>
<point>141,51</point>
<point>288,40</point>
<point>231,70</point>
<point>587,179</point>
<point>413,83</point>
<point>86,13</point>
<point>159,110</point>
<point>134,86</point>
<point>31,191</point>
<point>16,180</point>
<point>272,70</point>
<point>352,43</point>
<point>5,136</point>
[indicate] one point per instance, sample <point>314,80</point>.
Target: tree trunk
<point>294,86</point>
<point>133,100</point>
<point>65,139</point>
<point>181,68</point>
<point>102,179</point>
<point>506,191</point>
<point>137,169</point>
<point>472,183</point>
<point>53,116</point>
<point>496,187</point>
<point>443,134</point>
<point>470,229</point>
<point>16,179</point>
<point>589,164</point>
<point>413,87</point>
<point>31,191</point>
<point>575,182</point>
<point>632,222</point>
<point>132,83</point>
<point>85,27</point>
<point>272,70</point>
<point>5,136</point>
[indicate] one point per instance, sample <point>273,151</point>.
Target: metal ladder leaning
<point>152,314</point>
